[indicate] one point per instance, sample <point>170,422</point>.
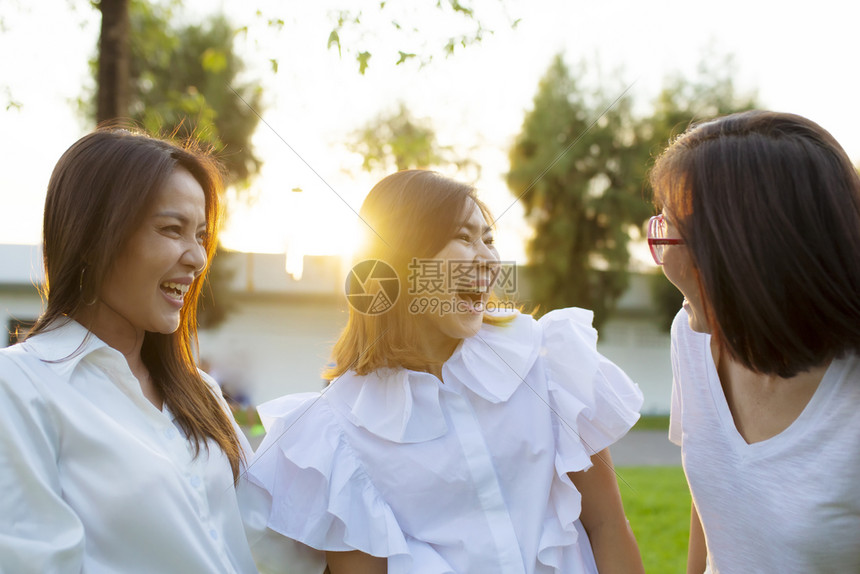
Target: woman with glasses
<point>760,230</point>
<point>455,435</point>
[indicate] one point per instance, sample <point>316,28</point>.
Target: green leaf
<point>213,60</point>
<point>362,58</point>
<point>465,10</point>
<point>334,38</point>
<point>274,63</point>
<point>403,57</point>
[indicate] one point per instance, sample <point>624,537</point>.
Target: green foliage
<point>578,174</point>
<point>657,504</point>
<point>363,59</point>
<point>396,141</point>
<point>185,82</point>
<point>8,101</point>
<point>348,34</point>
<point>579,167</point>
<point>684,101</point>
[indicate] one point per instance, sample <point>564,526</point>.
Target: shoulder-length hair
<point>769,206</point>
<point>409,215</point>
<point>97,197</point>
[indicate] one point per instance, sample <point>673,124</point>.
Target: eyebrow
<point>176,215</point>
<point>473,228</point>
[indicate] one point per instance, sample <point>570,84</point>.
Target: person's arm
<point>355,562</point>
<point>697,554</point>
<point>612,541</point>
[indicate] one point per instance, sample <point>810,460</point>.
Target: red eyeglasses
<point>657,239</point>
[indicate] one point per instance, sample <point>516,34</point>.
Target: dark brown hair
<point>769,206</point>
<point>408,214</point>
<point>97,197</point>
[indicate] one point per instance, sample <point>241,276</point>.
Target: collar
<point>63,346</point>
<point>403,406</point>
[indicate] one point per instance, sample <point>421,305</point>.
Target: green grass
<point>657,503</point>
<point>652,422</point>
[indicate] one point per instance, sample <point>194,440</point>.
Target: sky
<point>796,56</point>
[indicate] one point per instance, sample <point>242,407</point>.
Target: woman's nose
<point>195,257</point>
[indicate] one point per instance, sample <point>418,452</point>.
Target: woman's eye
<point>489,240</point>
<point>202,237</point>
<point>172,229</point>
<point>464,237</point>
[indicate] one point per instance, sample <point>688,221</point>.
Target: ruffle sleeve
<point>595,401</point>
<point>321,495</point>
<point>594,404</point>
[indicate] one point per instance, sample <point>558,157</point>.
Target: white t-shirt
<point>95,479</point>
<point>465,476</point>
<point>788,504</point>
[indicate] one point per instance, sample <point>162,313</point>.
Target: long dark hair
<point>769,206</point>
<point>97,197</point>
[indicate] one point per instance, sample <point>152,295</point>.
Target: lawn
<point>657,503</point>
<point>652,422</point>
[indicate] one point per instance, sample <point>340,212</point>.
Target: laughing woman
<point>453,437</point>
<point>116,453</point>
<point>760,231</point>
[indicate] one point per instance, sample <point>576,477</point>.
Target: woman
<point>760,231</point>
<point>116,453</point>
<point>450,438</point>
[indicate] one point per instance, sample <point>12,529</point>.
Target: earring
<point>81,288</point>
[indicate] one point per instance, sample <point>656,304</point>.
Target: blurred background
<point>554,109</point>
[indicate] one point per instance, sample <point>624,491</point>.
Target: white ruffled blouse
<point>465,476</point>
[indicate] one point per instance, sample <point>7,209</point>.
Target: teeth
<point>182,288</point>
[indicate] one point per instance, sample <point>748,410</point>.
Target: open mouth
<point>474,296</point>
<point>175,291</point>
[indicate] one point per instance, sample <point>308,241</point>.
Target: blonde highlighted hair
<point>409,215</point>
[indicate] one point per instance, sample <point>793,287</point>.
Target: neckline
<point>825,389</point>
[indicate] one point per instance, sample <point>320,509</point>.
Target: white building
<point>277,338</point>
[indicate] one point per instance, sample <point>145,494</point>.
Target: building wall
<point>20,305</point>
<point>267,348</point>
<point>636,345</point>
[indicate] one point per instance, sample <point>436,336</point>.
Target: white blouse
<point>465,476</point>
<point>94,478</point>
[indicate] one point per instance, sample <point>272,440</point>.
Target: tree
<point>184,82</point>
<point>580,169</point>
<point>398,141</point>
<point>113,63</point>
<point>577,171</point>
